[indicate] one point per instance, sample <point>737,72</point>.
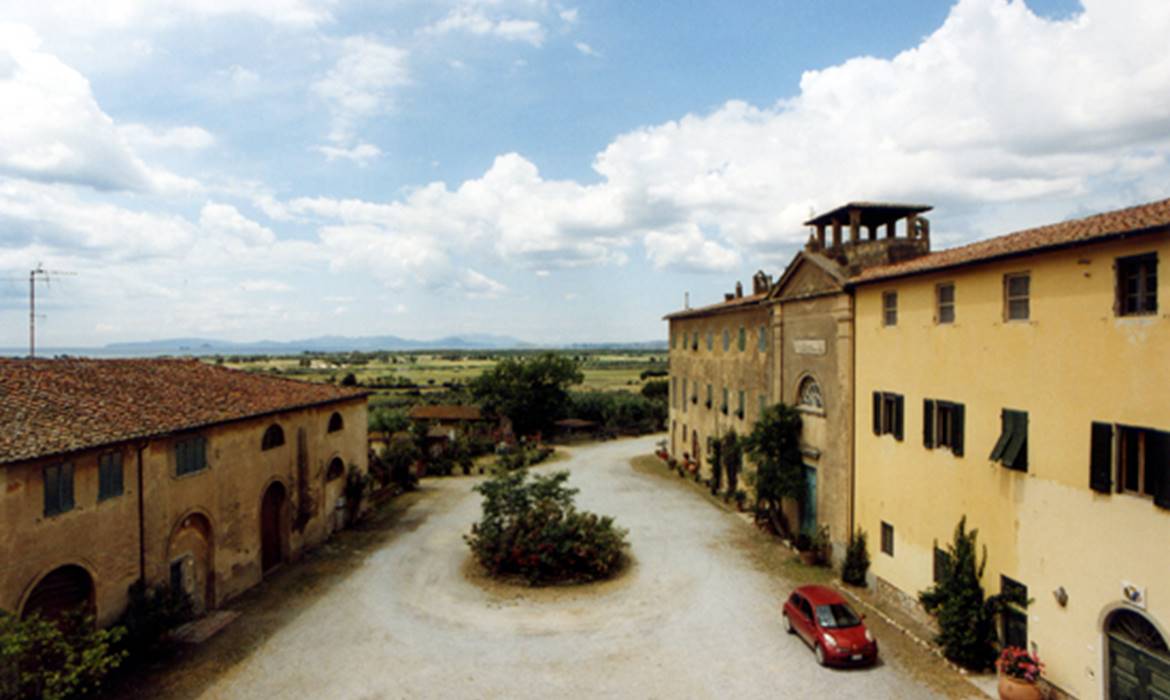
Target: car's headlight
<point>830,641</point>
<point>868,636</point>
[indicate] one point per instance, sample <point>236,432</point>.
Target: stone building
<point>167,471</point>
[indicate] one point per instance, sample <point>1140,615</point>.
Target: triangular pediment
<point>809,275</point>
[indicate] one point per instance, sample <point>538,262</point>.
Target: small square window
<point>945,303</point>
<point>1017,290</point>
<point>887,539</point>
<point>890,309</point>
<point>1015,620</point>
<point>1137,285</point>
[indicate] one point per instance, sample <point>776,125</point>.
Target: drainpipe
<point>852,416</point>
<point>141,518</point>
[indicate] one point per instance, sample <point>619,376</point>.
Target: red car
<point>822,618</point>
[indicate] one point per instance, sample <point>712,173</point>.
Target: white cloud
<point>189,138</point>
<point>361,154</point>
<point>586,49</point>
<point>569,16</point>
<point>264,285</point>
<point>227,220</point>
<point>471,18</point>
<point>85,17</point>
<point>361,84</point>
<point>477,285</point>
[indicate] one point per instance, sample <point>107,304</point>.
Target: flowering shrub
<point>531,529</point>
<point>1018,663</point>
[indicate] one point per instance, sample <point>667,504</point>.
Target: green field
<point>402,378</point>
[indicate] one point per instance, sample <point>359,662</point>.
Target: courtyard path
<point>696,616</point>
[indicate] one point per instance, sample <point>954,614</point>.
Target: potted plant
<point>1019,672</point>
<point>821,545</point>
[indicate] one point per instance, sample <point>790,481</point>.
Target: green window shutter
<point>1005,436</point>
<point>1101,458</point>
<point>1158,466</point>
<point>899,403</point>
<point>67,486</point>
<point>877,413</point>
<point>119,486</point>
<point>1015,454</point>
<point>958,412</point>
<point>742,339</point>
<point>928,423</point>
<point>52,482</point>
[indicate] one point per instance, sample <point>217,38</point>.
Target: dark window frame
<point>1015,301</point>
<point>1014,632</point>
<point>944,425</point>
<point>1011,450</point>
<point>1142,300</point>
<point>111,472</point>
<point>190,455</point>
<point>57,480</point>
<point>273,437</point>
<point>889,412</point>
<point>336,423</point>
<point>890,308</point>
<point>944,309</point>
<point>887,541</point>
<point>742,341</point>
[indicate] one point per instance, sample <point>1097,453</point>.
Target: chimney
<point>686,300</point>
<point>728,296</point>
<point>738,290</point>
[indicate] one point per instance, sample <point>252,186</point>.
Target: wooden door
<point>272,527</point>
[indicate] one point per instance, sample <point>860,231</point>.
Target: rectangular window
<point>742,339</point>
<point>888,411</point>
<point>58,488</point>
<point>890,309</point>
<point>1101,458</point>
<point>674,391</point>
<point>1012,447</point>
<point>684,396</point>
<point>1143,463</point>
<point>942,425</point>
<point>944,295</point>
<point>695,341</point>
<point>726,340</point>
<point>1017,290</point>
<point>710,341</point>
<point>710,396</point>
<point>1137,285</point>
<point>887,538</point>
<point>191,455</point>
<point>109,475</point>
<point>725,401</point>
<point>742,397</point>
<point>1015,620</point>
<point>763,339</point>
<point>763,403</point>
<point>942,561</point>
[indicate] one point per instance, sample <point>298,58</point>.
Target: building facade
<point>165,471</point>
<point>1021,382</point>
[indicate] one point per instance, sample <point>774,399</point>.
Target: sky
<point>556,171</point>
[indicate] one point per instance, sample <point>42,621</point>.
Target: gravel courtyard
<point>696,616</point>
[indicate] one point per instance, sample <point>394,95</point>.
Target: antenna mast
<point>32,302</point>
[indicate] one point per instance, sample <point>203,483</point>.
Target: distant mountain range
<point>326,343</point>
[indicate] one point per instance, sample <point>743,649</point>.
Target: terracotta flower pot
<point>1016,689</point>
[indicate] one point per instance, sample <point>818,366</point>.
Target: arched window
<point>336,469</point>
<point>810,394</point>
<point>273,437</point>
<point>335,423</point>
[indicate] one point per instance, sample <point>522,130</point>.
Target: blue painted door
<point>808,515</point>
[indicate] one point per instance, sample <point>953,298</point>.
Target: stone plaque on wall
<point>809,346</point>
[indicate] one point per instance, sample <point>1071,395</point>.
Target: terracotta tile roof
<point>50,407</point>
<point>446,412</point>
<point>1139,219</point>
<point>722,307</point>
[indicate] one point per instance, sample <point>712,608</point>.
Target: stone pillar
<point>854,225</point>
<point>911,228</point>
<point>821,235</point>
<point>836,233</point>
<point>891,229</point>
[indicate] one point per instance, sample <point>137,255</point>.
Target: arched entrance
<point>190,556</point>
<point>62,590</point>
<point>272,530</point>
<point>1138,658</point>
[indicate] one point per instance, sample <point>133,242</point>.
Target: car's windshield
<point>836,615</point>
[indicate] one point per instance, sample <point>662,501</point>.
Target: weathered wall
<point>223,499</point>
<point>1072,363</point>
<point>746,370</point>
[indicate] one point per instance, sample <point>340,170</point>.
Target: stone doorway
<point>272,530</point>
<point>62,590</point>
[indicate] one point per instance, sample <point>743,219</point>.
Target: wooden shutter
<point>52,482</point>
<point>957,414</point>
<point>877,413</point>
<point>1005,435</point>
<point>898,415</point>
<point>67,486</point>
<point>1158,466</point>
<point>1101,458</point>
<point>928,423</point>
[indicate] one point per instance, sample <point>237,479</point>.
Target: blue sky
<point>557,171</point>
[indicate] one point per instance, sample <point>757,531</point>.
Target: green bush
<point>520,456</point>
<point>966,618</point>
<point>619,410</point>
<point>530,529</point>
<point>151,613</point>
<point>46,660</point>
<point>856,565</point>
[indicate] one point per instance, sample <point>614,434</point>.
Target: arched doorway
<point>272,530</point>
<point>62,590</point>
<point>1138,658</point>
<point>190,557</point>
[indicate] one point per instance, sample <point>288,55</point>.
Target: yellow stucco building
<point>1022,382</point>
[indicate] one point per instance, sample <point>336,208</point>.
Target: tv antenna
<point>37,274</point>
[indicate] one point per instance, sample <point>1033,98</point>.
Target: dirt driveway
<point>695,617</point>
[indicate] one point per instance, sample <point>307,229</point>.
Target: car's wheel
<point>820,652</point>
<point>787,624</point>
